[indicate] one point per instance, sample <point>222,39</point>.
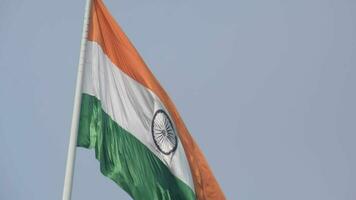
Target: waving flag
<point>138,136</point>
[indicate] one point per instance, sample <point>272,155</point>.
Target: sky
<point>266,88</point>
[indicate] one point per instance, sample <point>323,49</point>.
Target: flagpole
<point>68,179</point>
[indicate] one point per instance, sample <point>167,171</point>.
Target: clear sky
<point>267,89</point>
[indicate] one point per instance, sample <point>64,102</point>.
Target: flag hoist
<point>124,115</point>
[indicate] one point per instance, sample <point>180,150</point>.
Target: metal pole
<point>68,179</point>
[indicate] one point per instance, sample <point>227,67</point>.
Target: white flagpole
<point>68,179</point>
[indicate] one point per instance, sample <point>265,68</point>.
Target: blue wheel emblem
<point>163,133</point>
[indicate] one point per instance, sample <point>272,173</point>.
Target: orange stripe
<point>106,32</point>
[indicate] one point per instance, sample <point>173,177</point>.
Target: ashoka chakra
<point>163,132</point>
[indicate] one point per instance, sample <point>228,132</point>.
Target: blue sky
<point>267,89</point>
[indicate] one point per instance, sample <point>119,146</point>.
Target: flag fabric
<point>138,136</point>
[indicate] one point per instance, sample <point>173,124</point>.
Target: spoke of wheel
<point>172,140</point>
<point>165,122</point>
<point>170,132</point>
<point>159,125</point>
<point>161,119</point>
<point>164,147</point>
<point>169,128</point>
<point>161,139</point>
<point>156,129</point>
<point>159,136</point>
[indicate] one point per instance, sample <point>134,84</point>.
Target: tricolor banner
<point>126,116</point>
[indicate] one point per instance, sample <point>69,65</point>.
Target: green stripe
<point>124,159</point>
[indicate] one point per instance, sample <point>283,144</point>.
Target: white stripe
<point>129,104</point>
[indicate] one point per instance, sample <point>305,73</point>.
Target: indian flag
<point>126,116</point>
